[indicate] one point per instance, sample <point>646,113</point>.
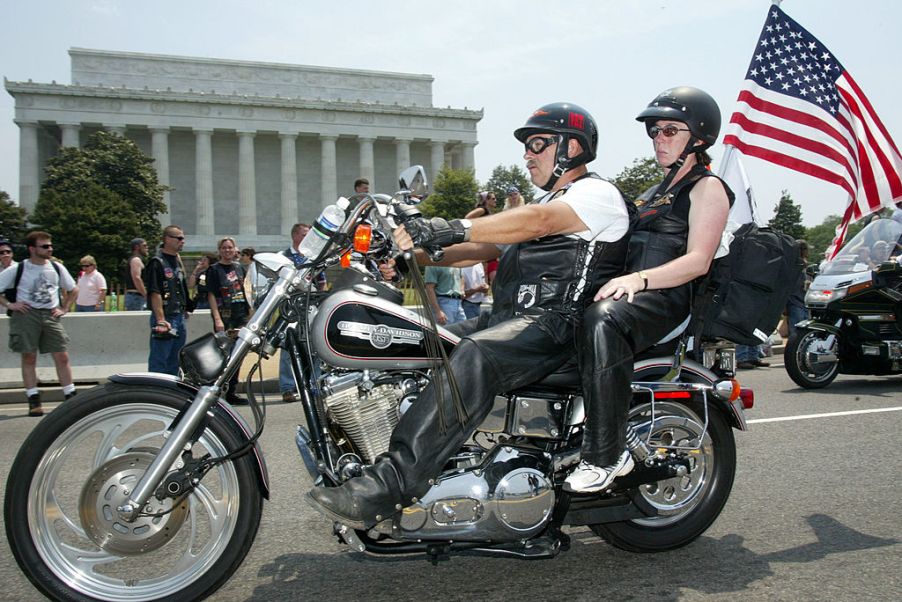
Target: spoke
<point>53,511</point>
<point>106,448</point>
<point>86,560</point>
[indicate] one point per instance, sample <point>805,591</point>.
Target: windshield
<point>879,241</point>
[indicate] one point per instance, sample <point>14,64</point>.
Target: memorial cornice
<point>14,87</point>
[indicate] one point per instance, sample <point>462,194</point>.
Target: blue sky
<point>506,57</point>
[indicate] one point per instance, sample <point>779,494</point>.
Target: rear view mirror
<point>413,179</point>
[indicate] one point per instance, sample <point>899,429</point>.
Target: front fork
<point>249,337</point>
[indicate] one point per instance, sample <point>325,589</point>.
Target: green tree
<point>455,193</point>
<point>13,222</point>
<point>118,165</point>
<point>788,217</point>
<point>638,177</point>
<point>504,177</point>
<point>90,221</point>
<point>819,237</point>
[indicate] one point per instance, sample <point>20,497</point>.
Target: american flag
<point>801,109</point>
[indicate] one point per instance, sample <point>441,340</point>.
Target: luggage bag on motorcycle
<point>745,292</point>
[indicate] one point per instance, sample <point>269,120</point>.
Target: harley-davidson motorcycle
<point>855,303</point>
<point>151,487</point>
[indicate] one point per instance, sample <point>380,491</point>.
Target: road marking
<point>827,415</point>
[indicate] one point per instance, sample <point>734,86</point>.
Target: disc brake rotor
<point>109,487</point>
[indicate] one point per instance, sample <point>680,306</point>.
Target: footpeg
<point>347,535</point>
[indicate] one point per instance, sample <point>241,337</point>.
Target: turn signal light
<point>362,237</point>
<point>346,259</point>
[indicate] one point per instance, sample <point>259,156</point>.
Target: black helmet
<point>565,119</point>
<point>690,105</point>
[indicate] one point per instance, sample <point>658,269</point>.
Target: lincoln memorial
<point>246,148</point>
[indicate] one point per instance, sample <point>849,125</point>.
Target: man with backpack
<point>31,297</point>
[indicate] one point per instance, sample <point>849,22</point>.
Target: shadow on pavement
<point>708,566</point>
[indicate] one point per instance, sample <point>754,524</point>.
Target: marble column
<point>367,164</point>
<point>203,185</point>
<point>402,154</point>
<point>29,167</point>
<point>468,159</point>
<point>329,169</point>
<point>159,150</point>
<point>70,134</point>
<point>247,185</point>
<point>289,215</point>
<point>438,158</point>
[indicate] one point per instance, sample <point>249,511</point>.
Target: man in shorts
<point>30,293</point>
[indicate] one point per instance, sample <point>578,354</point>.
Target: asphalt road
<point>814,515</point>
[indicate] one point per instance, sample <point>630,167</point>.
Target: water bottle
<point>114,301</point>
<point>328,222</point>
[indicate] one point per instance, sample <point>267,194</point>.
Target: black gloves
<point>438,231</point>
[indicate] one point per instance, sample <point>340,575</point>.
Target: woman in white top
<point>91,286</point>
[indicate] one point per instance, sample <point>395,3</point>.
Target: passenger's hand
<point>218,326</point>
<point>628,285</point>
<point>387,269</point>
<point>441,318</point>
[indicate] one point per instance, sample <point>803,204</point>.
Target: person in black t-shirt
<point>228,302</point>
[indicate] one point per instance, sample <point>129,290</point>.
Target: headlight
<point>823,296</point>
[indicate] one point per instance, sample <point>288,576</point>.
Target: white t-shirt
<point>11,266</point>
<point>474,275</point>
<point>599,205</point>
<point>40,284</point>
<point>89,287</point>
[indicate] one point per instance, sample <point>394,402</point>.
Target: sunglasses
<point>176,237</point>
<point>669,131</point>
<point>537,145</point>
<point>6,252</point>
<point>47,246</point>
<point>86,265</point>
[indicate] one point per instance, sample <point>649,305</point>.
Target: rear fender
<point>652,369</point>
<point>221,411</point>
<point>818,326</point>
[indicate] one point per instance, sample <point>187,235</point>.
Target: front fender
<point>221,411</point>
<point>818,326</point>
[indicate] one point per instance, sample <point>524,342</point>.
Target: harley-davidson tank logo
<point>379,336</point>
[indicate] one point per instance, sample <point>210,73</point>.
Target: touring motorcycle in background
<point>151,487</point>
<point>855,304</point>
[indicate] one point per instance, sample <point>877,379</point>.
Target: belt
<point>450,295</point>
<point>130,291</point>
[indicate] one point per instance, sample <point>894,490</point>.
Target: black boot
<point>362,501</point>
<point>34,405</point>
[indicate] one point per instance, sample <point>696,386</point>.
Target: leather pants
<point>613,332</point>
<point>511,354</point>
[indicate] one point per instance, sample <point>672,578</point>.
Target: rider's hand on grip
<point>437,232</point>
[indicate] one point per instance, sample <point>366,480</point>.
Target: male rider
<point>555,252</point>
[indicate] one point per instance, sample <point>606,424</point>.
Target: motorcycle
<point>855,303</point>
<point>151,487</point>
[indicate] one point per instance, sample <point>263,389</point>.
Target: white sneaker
<point>588,478</point>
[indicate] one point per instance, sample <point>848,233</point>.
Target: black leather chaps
<point>613,332</point>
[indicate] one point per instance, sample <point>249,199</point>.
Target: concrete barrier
<point>102,344</point>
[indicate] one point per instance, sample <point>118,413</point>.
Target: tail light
<point>362,237</point>
<point>748,398</point>
<point>672,395</point>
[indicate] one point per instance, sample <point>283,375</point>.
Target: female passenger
<point>484,205</point>
<point>679,229</point>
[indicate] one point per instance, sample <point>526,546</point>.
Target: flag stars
<point>812,46</point>
<point>759,57</point>
<point>768,81</point>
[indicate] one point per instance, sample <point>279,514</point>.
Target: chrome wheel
<point>85,472</point>
<point>803,352</point>
<point>675,425</point>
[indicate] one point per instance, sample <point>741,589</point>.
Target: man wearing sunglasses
<point>6,255</point>
<point>31,296</point>
<point>167,298</point>
<point>552,252</point>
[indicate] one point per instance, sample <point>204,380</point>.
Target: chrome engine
<point>507,496</point>
<point>366,412</point>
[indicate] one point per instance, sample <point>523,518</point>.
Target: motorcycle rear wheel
<point>687,505</point>
<point>800,370</point>
<point>75,468</point>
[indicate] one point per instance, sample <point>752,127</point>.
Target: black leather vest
<point>174,289</point>
<point>662,230</point>
<point>555,273</point>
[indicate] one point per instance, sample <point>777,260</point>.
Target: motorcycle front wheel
<point>797,358</point>
<point>80,463</point>
<point>686,505</point>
